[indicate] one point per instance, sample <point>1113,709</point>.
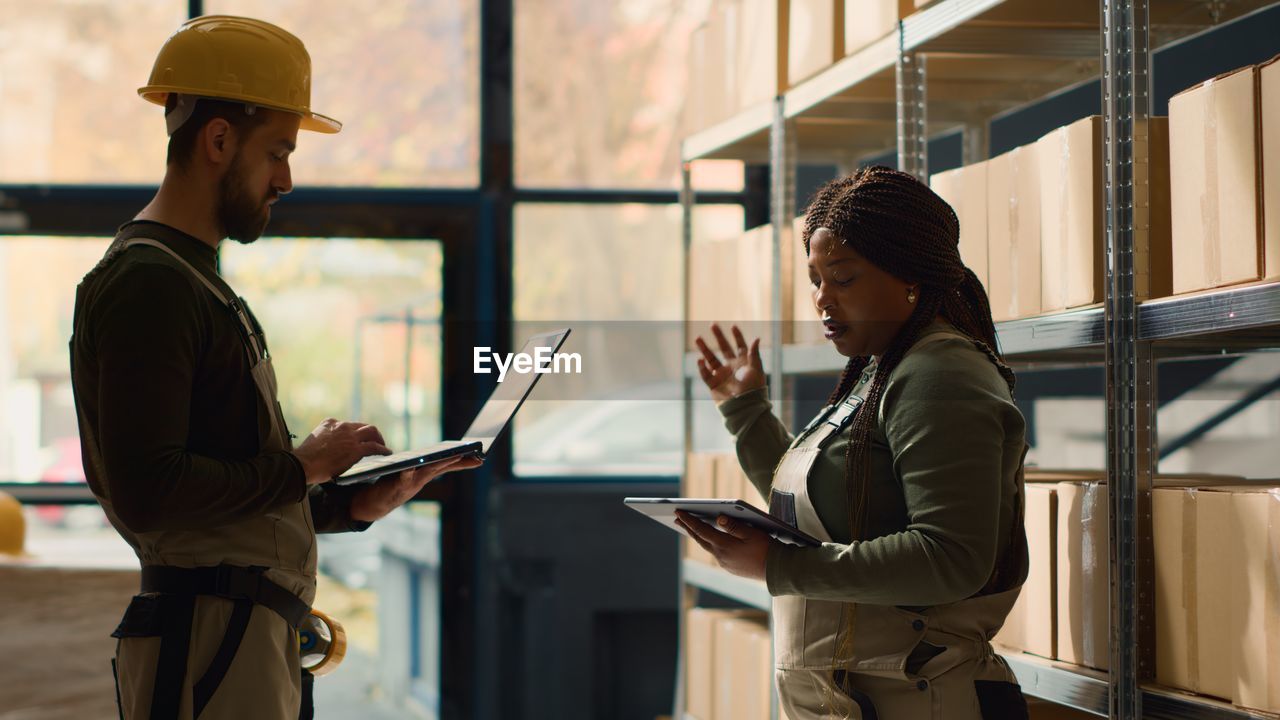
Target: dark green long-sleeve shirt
<point>162,381</point>
<point>945,455</point>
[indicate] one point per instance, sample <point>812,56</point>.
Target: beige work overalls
<point>261,678</point>
<point>877,684</point>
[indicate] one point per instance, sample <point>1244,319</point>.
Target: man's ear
<point>217,141</point>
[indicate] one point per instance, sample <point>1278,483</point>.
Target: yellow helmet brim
<point>313,121</point>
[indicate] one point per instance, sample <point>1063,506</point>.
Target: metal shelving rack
<point>947,66</point>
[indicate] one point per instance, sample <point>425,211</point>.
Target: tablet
<point>663,510</point>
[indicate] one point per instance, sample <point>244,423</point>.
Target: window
<point>403,78</point>
<point>69,79</point>
<point>353,327</point>
<point>602,105</point>
<point>39,435</point>
<point>579,266</point>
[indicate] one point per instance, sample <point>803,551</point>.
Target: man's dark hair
<point>183,142</point>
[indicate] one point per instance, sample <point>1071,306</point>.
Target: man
<point>184,442</point>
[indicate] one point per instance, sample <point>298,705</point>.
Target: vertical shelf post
<point>1129,363</point>
<point>782,161</point>
<point>977,141</point>
<point>913,141</point>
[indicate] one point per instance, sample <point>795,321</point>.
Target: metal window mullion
<point>1129,363</point>
<point>913,146</point>
<point>684,600</point>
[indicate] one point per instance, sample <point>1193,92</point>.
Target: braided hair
<point>901,226</point>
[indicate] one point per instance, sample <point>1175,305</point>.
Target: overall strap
<point>253,338</point>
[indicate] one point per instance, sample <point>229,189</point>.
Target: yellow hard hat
<point>239,59</point>
<point>13,527</point>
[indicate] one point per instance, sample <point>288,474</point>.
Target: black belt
<point>226,581</point>
<point>168,614</point>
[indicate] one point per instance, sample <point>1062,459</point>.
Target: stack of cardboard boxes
<point>729,665</point>
<point>737,59</point>
<point>1031,221</point>
<point>750,51</point>
<point>1217,575</point>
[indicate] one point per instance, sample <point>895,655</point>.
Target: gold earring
<point>911,295</point>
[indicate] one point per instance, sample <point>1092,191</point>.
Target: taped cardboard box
<point>965,189</point>
<point>866,21</point>
<point>1083,584</point>
<point>1032,624</point>
<point>1215,162</point>
<point>816,37</point>
<point>1218,593</point>
<point>1269,95</point>
<point>1071,228</point>
<point>1013,234</point>
<point>1083,571</point>
<point>744,668</point>
<point>1072,232</point>
<point>761,58</point>
<point>1257,610</point>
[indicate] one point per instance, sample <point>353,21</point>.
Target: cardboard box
<point>706,654</point>
<point>1256,515</point>
<point>732,482</point>
<point>1187,623</point>
<point>806,323</point>
<point>1032,624</point>
<point>1269,98</point>
<point>744,668</point>
<point>866,21</point>
<point>713,83</point>
<point>1071,215</point>
<point>965,189</point>
<point>1215,163</point>
<point>1218,593</point>
<point>1013,234</point>
<point>700,482</point>
<point>700,663</point>
<point>1083,584</point>
<point>815,37</point>
<point>761,52</point>
<point>731,281</point>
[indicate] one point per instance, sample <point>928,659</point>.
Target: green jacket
<point>946,452</point>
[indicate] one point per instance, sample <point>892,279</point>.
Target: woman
<point>911,476</point>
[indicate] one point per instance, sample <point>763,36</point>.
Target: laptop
<point>488,424</point>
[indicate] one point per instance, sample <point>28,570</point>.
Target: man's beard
<point>243,218</point>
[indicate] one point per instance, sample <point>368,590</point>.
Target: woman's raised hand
<point>738,369</point>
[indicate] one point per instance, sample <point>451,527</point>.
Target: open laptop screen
<point>511,392</point>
